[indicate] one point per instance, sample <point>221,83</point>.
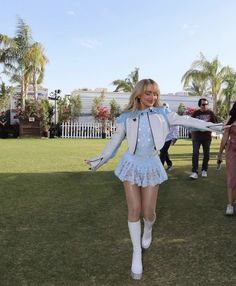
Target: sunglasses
<point>203,104</point>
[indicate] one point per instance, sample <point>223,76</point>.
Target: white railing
<point>183,133</point>
<point>87,130</point>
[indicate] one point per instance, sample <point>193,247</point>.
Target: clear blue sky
<point>90,43</point>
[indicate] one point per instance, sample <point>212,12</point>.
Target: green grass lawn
<point>61,224</point>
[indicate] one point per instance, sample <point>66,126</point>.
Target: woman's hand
<point>94,163</point>
<point>173,142</point>
<point>88,163</point>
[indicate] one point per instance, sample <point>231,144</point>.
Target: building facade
<point>173,99</point>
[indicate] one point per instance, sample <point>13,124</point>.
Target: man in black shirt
<point>201,138</point>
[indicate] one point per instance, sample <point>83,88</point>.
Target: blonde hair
<point>139,89</point>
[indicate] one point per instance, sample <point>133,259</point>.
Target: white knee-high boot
<point>135,235</point>
<point>147,232</point>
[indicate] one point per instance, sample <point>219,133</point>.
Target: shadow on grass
<point>71,229</point>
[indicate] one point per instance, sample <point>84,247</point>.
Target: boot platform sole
<point>136,276</point>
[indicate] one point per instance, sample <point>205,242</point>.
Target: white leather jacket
<point>159,119</point>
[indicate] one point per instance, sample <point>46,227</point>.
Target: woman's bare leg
<point>133,199</point>
<point>230,193</point>
<point>149,201</point>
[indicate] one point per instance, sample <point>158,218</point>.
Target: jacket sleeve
<point>187,121</point>
<point>111,148</point>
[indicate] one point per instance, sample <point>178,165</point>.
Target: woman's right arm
<point>111,148</point>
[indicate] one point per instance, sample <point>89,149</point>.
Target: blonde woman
<point>145,125</point>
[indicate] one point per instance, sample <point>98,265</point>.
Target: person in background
<point>3,122</point>
<point>170,140</point>
<point>201,138</point>
<point>145,125</point>
<point>228,143</point>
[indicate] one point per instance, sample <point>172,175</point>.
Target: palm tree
<point>209,72</point>
<point>230,90</point>
<point>23,59</point>
<point>127,85</point>
<point>36,65</point>
<point>13,56</point>
<point>197,88</point>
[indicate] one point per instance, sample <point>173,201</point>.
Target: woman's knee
<point>148,214</point>
<point>134,213</point>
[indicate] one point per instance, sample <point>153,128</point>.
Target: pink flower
<point>103,113</point>
<point>189,111</point>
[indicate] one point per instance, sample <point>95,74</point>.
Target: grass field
<point>62,225</point>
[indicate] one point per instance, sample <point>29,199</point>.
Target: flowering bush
<point>32,109</point>
<point>189,111</point>
<point>103,113</point>
<point>40,110</point>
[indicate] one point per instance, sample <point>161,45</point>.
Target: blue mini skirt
<point>142,171</point>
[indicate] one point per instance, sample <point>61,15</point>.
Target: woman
<point>228,142</point>
<point>145,125</point>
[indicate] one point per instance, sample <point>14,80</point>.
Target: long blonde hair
<point>139,89</point>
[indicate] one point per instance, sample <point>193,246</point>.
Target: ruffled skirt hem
<point>141,171</point>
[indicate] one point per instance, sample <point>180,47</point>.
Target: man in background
<point>201,138</point>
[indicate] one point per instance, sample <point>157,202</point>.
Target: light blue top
<point>143,168</point>
<point>145,145</point>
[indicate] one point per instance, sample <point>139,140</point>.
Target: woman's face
<point>148,98</point>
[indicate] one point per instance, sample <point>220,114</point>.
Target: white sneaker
<point>193,176</point>
<point>169,168</point>
<point>204,174</point>
<point>229,210</point>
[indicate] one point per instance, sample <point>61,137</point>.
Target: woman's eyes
<point>150,93</point>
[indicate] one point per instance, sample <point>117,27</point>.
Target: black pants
<point>3,132</point>
<point>164,155</point>
<point>206,153</point>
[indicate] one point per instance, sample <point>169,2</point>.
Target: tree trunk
<point>214,97</point>
<point>26,89</point>
<point>35,86</point>
<point>22,100</point>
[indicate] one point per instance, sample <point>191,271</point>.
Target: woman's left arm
<point>187,121</point>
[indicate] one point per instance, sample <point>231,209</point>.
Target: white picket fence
<point>183,133</point>
<point>88,130</point>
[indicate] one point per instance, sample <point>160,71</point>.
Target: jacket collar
<point>149,110</point>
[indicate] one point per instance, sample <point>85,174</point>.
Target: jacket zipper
<point>155,148</point>
<point>137,136</point>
